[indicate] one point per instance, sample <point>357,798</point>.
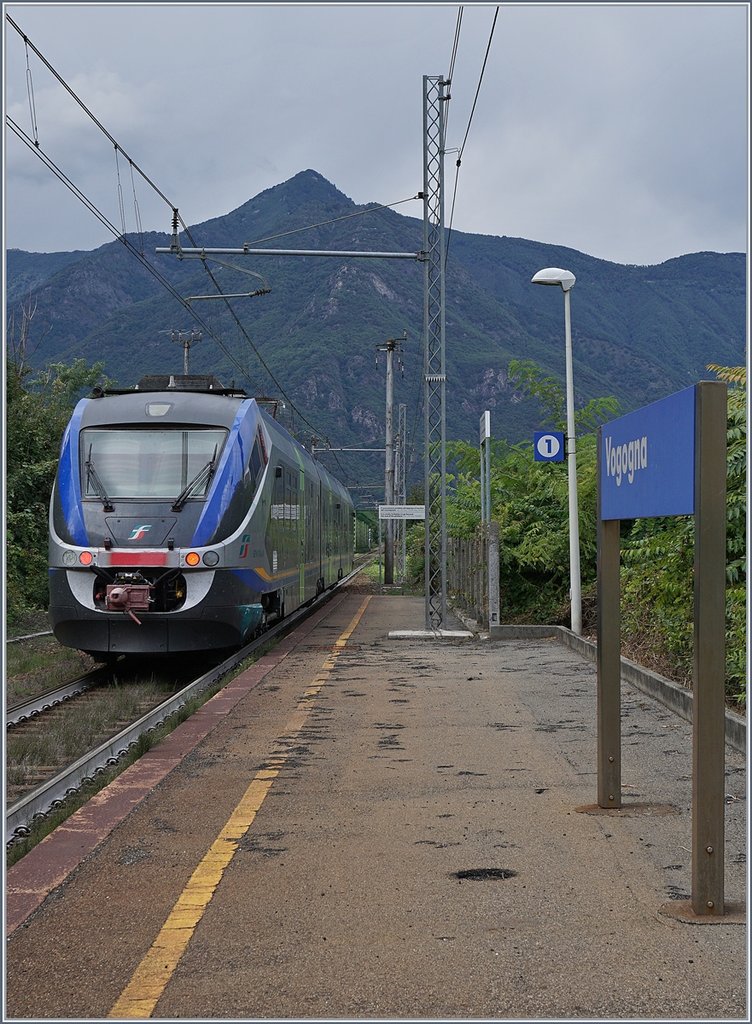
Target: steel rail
<point>44,701</point>
<point>29,636</point>
<point>48,797</point>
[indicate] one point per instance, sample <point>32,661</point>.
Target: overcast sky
<point>618,130</point>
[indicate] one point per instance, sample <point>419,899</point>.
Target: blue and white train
<point>185,518</point>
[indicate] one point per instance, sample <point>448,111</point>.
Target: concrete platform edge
<point>674,696</point>
<point>430,634</point>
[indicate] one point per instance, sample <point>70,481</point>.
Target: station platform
<point>365,827</point>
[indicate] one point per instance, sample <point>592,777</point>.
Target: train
<point>185,518</point>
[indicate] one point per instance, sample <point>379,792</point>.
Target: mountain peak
<point>307,186</point>
<point>306,195</point>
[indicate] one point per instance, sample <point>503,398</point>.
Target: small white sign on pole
<point>485,426</point>
<point>402,511</point>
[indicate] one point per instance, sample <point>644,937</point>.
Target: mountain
<point>639,332</point>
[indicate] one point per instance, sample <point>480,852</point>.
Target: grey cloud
<point>617,129</point>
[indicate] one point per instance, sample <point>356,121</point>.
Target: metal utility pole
<point>401,487</point>
<point>389,346</point>
<point>434,361</point>
<point>186,340</point>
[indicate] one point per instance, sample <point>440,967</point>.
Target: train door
<point>275,535</point>
<point>302,520</point>
<point>321,536</point>
<point>339,538</point>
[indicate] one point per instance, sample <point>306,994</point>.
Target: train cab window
<point>126,462</point>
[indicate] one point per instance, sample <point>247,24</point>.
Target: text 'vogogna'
<point>625,459</point>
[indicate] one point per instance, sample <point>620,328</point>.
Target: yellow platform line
<point>141,995</point>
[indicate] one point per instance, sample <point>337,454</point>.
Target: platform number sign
<point>548,446</point>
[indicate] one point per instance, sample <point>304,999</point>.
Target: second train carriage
<point>183,518</point>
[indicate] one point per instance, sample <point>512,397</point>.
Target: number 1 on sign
<point>548,446</point>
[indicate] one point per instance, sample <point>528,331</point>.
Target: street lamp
<point>554,276</point>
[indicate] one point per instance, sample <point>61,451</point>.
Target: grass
<point>81,726</point>
<point>373,573</point>
<point>35,666</point>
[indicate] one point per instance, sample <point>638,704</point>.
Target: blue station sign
<point>647,460</point>
<point>548,446</point>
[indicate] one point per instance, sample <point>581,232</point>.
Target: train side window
<point>262,445</point>
<point>255,463</point>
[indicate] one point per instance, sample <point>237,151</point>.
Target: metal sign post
<point>608,697</point>
<point>667,459</point>
<point>401,487</point>
<point>485,467</point>
<point>709,673</point>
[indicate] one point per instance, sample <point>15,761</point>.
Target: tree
<point>529,501</point>
<point>658,574</point>
<point>37,411</point>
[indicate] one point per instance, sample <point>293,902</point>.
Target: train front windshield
<point>142,463</point>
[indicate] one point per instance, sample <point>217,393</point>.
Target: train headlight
<point>69,558</point>
<point>86,558</point>
<point>211,558</point>
<point>192,558</point>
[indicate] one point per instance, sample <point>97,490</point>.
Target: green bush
<point>37,411</point>
<point>530,503</point>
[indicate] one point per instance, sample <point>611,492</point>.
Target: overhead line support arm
<point>246,251</point>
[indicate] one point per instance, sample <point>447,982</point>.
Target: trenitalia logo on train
<point>184,517</point>
<point>140,532</point>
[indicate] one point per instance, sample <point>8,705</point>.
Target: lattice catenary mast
<point>434,360</point>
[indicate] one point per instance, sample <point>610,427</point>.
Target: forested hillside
<point>639,332</point>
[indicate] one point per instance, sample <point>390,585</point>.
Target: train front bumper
<point>223,618</point>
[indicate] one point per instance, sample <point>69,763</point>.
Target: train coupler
<point>129,598</point>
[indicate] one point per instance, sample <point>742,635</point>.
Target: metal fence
<point>473,574</point>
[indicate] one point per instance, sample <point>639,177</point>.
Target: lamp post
<point>566,279</point>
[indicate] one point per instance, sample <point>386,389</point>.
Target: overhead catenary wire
<point>34,145</point>
<point>30,94</point>
<point>122,236</point>
<point>456,43</point>
<point>103,219</point>
<point>137,213</point>
<point>480,83</point>
<point>334,220</point>
<point>453,58</point>
<point>133,165</point>
<point>86,110</point>
<point>467,132</point>
<point>121,204</point>
<point>148,180</point>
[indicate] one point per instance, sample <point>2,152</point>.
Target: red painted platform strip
<point>32,879</point>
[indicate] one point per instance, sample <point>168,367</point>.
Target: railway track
<point>28,710</point>
<point>62,781</point>
<point>47,733</point>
